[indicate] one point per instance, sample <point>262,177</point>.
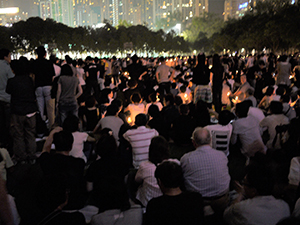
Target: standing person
<point>216,75</point>
<point>5,74</point>
<point>91,74</point>
<point>115,69</point>
<point>201,78</point>
<point>67,93</point>
<point>162,77</point>
<point>44,72</point>
<point>284,70</point>
<point>23,112</point>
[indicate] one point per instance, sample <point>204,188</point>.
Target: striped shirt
<point>140,140</point>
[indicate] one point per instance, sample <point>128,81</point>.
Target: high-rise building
<point>62,11</point>
<point>45,9</point>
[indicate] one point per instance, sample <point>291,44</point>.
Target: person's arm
<point>5,211</point>
<point>49,140</point>
<point>79,91</point>
<point>157,76</point>
<point>234,136</point>
<point>143,74</point>
<point>58,92</point>
<point>90,139</point>
<point>172,75</point>
<point>97,126</point>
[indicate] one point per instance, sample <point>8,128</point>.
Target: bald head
<point>201,136</point>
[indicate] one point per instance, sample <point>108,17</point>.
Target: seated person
<point>158,151</point>
<point>270,122</point>
<point>183,127</point>
<point>246,129</point>
<point>105,176</point>
<point>174,206</point>
<point>260,207</point>
<point>61,163</point>
<point>140,139</point>
<point>71,124</point>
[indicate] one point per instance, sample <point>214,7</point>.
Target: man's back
<point>140,139</point>
<point>205,171</point>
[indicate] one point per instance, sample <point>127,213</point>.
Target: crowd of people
<point>109,128</point>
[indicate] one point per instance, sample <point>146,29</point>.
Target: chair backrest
<point>220,140</point>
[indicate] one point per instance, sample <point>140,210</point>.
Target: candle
<point>129,120</point>
<point>228,93</point>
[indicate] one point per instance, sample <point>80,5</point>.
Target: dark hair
<point>269,91</point>
<point>178,100</point>
<point>141,119</point>
<point>152,97</point>
<point>112,110</point>
<point>132,83</point>
<point>170,174</point>
<point>201,59</point>
<point>153,110</point>
<point>135,97</point>
<point>184,109</point>
<point>280,90</point>
<point>260,177</point>
<point>182,88</point>
<point>285,98</point>
<point>106,146</point>
<point>68,59</point>
<point>118,102</point>
<point>66,70</point>
<point>71,123</point>
<point>276,107</point>
<point>90,101</point>
<point>169,98</point>
<point>63,141</point>
<point>19,67</point>
<point>4,52</point>
<point>40,51</point>
<point>242,109</point>
<point>158,150</point>
<point>104,95</point>
<point>225,116</point>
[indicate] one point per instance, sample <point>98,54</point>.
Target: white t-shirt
<point>136,109</point>
<point>78,144</point>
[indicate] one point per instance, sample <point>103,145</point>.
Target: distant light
<point>244,5</point>
<point>10,10</point>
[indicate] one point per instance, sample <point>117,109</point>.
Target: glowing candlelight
<point>228,93</point>
<point>236,98</point>
<point>210,67</point>
<point>129,120</point>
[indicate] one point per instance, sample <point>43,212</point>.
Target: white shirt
<point>259,210</point>
<point>78,145</point>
